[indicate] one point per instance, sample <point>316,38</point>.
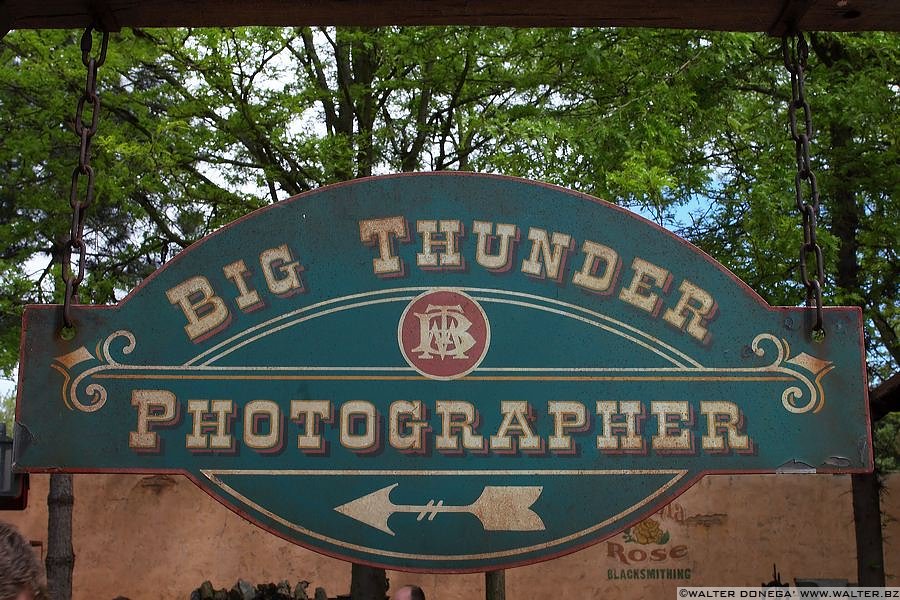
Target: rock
<point>206,591</point>
<point>235,594</point>
<point>246,589</point>
<point>300,590</point>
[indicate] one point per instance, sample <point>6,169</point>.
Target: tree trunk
<point>368,583</point>
<point>867,518</point>
<point>60,557</point>
<point>866,499</point>
<point>495,585</point>
<point>365,62</point>
<point>848,158</point>
<point>60,560</point>
<point>357,65</point>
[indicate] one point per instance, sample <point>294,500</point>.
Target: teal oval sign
<point>442,372</point>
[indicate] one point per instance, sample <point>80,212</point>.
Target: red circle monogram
<point>444,334</point>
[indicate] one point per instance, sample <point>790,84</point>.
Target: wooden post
<point>495,585</point>
<point>867,520</point>
<point>60,559</point>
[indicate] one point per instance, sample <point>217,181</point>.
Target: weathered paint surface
<point>469,371</point>
<point>159,537</point>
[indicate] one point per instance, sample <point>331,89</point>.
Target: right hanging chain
<point>796,53</point>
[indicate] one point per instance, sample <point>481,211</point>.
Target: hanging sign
<point>443,372</point>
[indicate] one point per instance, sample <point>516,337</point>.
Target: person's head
<point>409,592</point>
<point>21,576</point>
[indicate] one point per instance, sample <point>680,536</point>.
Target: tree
<point>201,126</point>
<point>856,158</point>
<point>8,411</point>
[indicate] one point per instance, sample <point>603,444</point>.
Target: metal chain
<point>796,54</point>
<point>85,130</point>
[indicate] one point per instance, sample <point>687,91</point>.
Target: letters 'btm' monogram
<point>443,331</point>
<point>443,324</point>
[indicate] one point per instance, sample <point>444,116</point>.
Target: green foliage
<point>752,225</point>
<point>886,441</point>
<point>8,411</point>
<point>199,127</point>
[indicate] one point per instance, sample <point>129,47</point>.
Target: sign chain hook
<point>85,128</point>
<point>796,54</point>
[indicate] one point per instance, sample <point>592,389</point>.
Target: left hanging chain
<point>85,129</point>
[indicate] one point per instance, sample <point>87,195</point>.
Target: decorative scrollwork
<point>792,398</point>
<point>128,348</point>
<point>781,346</point>
<point>803,373</point>
<point>96,393</point>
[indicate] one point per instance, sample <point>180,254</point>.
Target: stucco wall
<point>159,537</point>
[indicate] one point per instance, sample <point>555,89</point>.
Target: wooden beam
<point>792,13</point>
<point>5,19</point>
<point>771,16</point>
<point>885,398</point>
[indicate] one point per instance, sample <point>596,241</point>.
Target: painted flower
<point>649,532</point>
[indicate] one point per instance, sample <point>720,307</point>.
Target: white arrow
<point>499,508</point>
